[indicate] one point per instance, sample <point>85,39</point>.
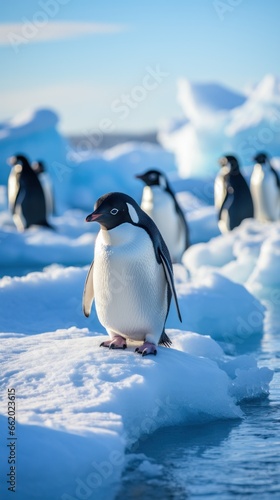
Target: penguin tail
<point>165,340</point>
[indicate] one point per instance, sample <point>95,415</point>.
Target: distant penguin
<point>25,195</point>
<point>44,178</point>
<point>232,195</point>
<point>131,278</point>
<point>159,202</point>
<point>265,189</point>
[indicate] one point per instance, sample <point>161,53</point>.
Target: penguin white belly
<point>265,194</point>
<point>130,287</point>
<point>13,188</point>
<point>219,190</point>
<point>159,205</point>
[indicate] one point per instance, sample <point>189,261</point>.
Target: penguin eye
<point>114,211</point>
<point>153,177</point>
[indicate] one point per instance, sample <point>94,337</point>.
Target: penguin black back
<point>238,203</point>
<point>26,200</point>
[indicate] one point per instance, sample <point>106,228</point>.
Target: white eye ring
<point>114,211</point>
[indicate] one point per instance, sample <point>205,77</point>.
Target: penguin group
<point>131,278</point>
<point>235,200</point>
<point>30,196</point>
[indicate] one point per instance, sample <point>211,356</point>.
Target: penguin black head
<point>231,162</point>
<point>38,167</point>
<point>113,209</point>
<point>19,158</point>
<point>153,178</point>
<point>261,158</point>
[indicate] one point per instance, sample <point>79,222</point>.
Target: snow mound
<point>28,122</point>
<point>250,254</point>
<point>205,97</point>
<point>33,133</point>
<point>71,243</point>
<point>214,305</point>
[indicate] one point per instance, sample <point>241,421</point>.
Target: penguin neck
<point>120,235</point>
<point>225,171</point>
<point>151,192</point>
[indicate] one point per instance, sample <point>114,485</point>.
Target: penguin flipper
<point>88,295</point>
<point>19,198</point>
<point>276,177</point>
<point>184,223</point>
<point>169,278</point>
<point>227,201</point>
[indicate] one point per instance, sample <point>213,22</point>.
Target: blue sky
<point>85,58</point>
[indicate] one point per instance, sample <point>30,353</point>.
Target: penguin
<point>265,189</point>
<point>233,200</point>
<point>45,180</point>
<point>131,277</point>
<point>25,195</point>
<point>159,202</point>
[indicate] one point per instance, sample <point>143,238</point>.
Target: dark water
<point>223,460</point>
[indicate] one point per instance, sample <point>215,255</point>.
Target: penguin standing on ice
<point>25,195</point>
<point>159,202</point>
<point>233,200</point>
<point>131,278</point>
<point>44,178</point>
<point>265,189</point>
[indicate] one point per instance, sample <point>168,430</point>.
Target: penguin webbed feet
<point>118,342</point>
<point>146,348</point>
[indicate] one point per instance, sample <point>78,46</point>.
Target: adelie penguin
<point>44,178</point>
<point>159,202</point>
<point>25,195</point>
<point>265,189</point>
<point>131,278</point>
<point>233,200</point>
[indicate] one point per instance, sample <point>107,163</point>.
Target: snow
<point>80,407</point>
<point>250,254</point>
<point>220,120</point>
<point>81,404</point>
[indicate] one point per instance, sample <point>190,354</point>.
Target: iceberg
<point>219,121</point>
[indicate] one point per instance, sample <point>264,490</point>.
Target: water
<point>222,460</point>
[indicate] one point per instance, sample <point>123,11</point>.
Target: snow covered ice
<point>81,408</point>
<point>219,120</point>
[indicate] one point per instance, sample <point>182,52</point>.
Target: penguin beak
<point>139,176</point>
<point>93,217</point>
<point>223,161</point>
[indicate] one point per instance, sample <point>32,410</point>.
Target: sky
<point>114,65</point>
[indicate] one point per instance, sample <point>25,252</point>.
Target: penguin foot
<point>118,342</point>
<point>146,348</point>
